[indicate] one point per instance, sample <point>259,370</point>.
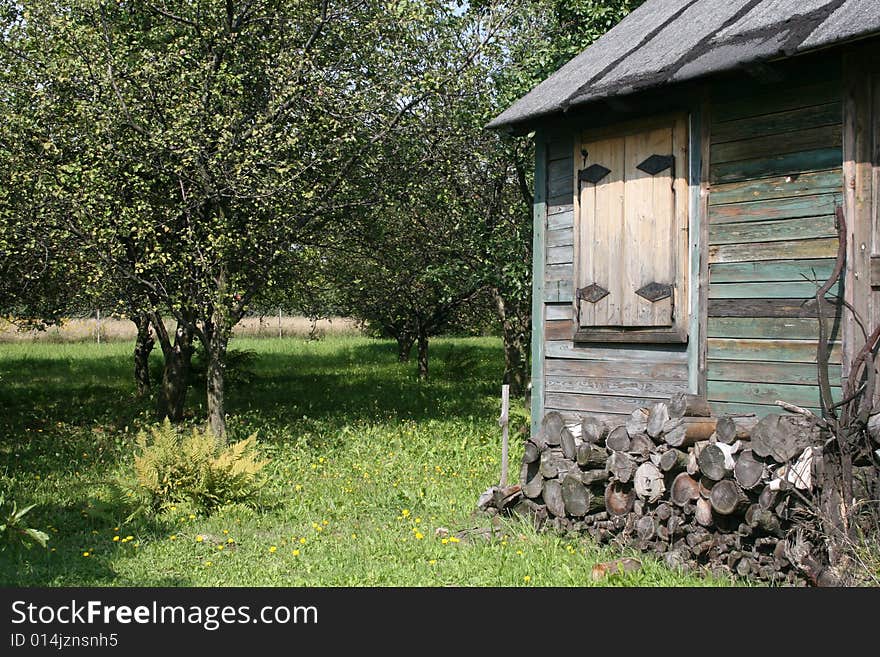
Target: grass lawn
<point>366,465</point>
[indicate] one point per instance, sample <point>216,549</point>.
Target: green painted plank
<point>783,164</point>
<point>617,369</point>
<point>613,387</point>
<point>795,249</point>
<point>558,291</point>
<point>761,372</point>
<point>558,311</point>
<point>696,222</point>
<point>826,136</point>
<point>801,118</point>
<point>777,208</point>
<point>777,230</point>
<point>599,403</point>
<point>560,237</point>
<point>560,203</point>
<point>772,270</point>
<point>760,410</point>
<point>539,217</point>
<point>796,351</point>
<point>804,184</point>
<point>766,393</point>
<point>794,328</point>
<point>776,290</point>
<point>738,104</point>
<point>558,273</point>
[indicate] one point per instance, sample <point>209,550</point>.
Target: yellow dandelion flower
<point>230,540</point>
<point>208,564</point>
<point>116,539</point>
<point>173,537</point>
<point>519,552</point>
<point>319,528</point>
<point>220,547</point>
<point>116,529</point>
<point>199,538</point>
<point>354,535</point>
<point>225,531</point>
<point>297,487</point>
<point>303,540</point>
<point>85,554</point>
<point>405,513</point>
<point>417,520</point>
<point>454,539</point>
<point>444,541</point>
<point>314,525</point>
<point>419,536</point>
<point>432,561</point>
<point>273,548</point>
<point>527,579</point>
<point>295,553</point>
<point>325,522</point>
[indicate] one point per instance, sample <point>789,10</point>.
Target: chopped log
<point>714,462</point>
<point>622,466</point>
<point>663,511</point>
<point>619,499</point>
<point>693,467</point>
<point>688,405</point>
<point>552,426</point>
<point>763,520</point>
<point>637,422</point>
<point>690,431</point>
<point>641,445</point>
<point>768,497</point>
<point>744,567</point>
<point>554,463</point>
<point>531,452</point>
<point>648,482</point>
<point>645,528</point>
<point>593,430</point>
<point>534,484</point>
<point>553,498</point>
<point>590,455</point>
<point>730,429</point>
<point>504,497</point>
<point>575,496</point>
<point>782,437</point>
<point>727,498</point>
<point>591,477</point>
<point>657,418</point>
<point>618,439</point>
<point>566,440</point>
<point>673,460</point>
<point>684,489</point>
<point>749,471</point>
<point>703,513</point>
<point>706,485</point>
<point>625,565</point>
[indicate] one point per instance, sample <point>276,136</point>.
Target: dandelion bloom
<point>115,539</point>
<point>199,538</point>
<point>273,548</point>
<point>85,554</point>
<point>296,553</point>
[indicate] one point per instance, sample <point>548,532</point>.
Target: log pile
<point>727,493</point>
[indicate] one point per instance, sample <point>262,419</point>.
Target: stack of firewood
<point>727,493</point>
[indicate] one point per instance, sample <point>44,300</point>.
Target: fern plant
<point>191,468</point>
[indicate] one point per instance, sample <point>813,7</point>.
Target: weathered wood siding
<point>775,180</point>
<point>600,378</point>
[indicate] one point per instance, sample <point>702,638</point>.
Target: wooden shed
<point>689,169</point>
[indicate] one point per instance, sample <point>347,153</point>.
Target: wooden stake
<point>504,421</point>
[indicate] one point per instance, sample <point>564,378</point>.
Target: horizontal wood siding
<point>607,381</point>
<point>776,180</point>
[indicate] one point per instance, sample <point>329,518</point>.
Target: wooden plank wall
<point>602,379</point>
<point>775,180</point>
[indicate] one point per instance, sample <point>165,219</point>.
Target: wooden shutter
<point>631,234</point>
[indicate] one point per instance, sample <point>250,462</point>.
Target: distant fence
<point>101,328</point>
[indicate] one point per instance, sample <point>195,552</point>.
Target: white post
<point>503,421</point>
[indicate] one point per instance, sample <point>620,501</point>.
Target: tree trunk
<point>517,336</point>
<point>404,347</point>
<point>143,347</point>
<point>175,372</point>
<point>423,355</point>
<point>218,341</point>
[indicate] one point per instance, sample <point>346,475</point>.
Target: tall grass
<point>373,480</point>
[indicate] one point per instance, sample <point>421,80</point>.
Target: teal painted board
<point>613,387</point>
<point>778,208</point>
<point>557,255</point>
<point>759,410</point>
<point>807,249</point>
<point>598,403</point>
<point>555,311</point>
<point>794,351</point>
<point>762,372</point>
<point>777,230</point>
<point>764,271</point>
<point>781,290</point>
<point>616,369</point>
<point>778,122</point>
<point>599,351</point>
<point>791,328</point>
<point>784,164</point>
<point>737,105</point>
<point>826,136</point>
<point>558,273</point>
<point>767,393</point>
<point>539,218</point>
<point>811,183</point>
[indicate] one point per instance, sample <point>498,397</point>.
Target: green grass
<point>368,466</point>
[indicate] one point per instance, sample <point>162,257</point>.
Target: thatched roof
<point>668,41</point>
